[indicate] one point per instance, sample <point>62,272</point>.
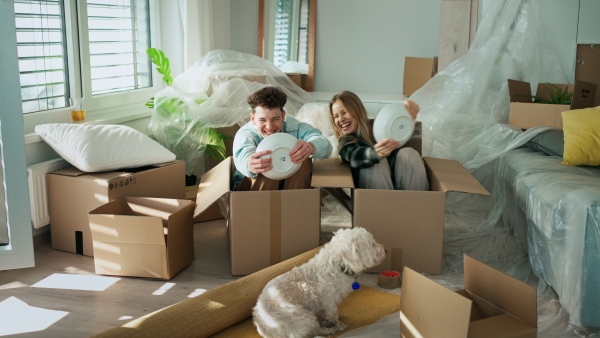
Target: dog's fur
<point>304,301</point>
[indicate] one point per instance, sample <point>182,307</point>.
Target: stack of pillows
<point>579,141</point>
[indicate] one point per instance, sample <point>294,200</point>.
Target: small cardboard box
<point>525,114</point>
<point>72,193</point>
<point>417,71</point>
<point>296,78</point>
<point>142,237</point>
<point>407,222</point>
<point>492,305</point>
<point>265,227</point>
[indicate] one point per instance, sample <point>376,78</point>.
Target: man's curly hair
<point>268,97</point>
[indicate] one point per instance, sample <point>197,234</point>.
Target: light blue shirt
<point>248,137</point>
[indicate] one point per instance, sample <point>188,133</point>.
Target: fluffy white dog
<point>304,301</point>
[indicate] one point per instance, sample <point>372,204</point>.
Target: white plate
<point>393,122</point>
<point>281,144</point>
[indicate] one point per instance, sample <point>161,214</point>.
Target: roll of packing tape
<point>390,279</point>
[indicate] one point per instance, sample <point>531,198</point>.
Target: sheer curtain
<point>3,224</point>
<point>186,31</point>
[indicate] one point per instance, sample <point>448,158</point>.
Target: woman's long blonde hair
<point>354,107</point>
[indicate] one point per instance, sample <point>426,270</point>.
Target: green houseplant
<point>557,95</point>
<point>179,132</point>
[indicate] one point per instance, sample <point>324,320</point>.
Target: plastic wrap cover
<point>464,108</point>
<point>213,93</point>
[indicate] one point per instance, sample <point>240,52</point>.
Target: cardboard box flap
<point>504,291</point>
<point>449,175</point>
<point>74,172</point>
<point>213,184</point>
<point>519,91</point>
<point>428,309</point>
<point>501,326</point>
<point>331,173</point>
<point>584,95</point>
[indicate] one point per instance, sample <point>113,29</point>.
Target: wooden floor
<point>89,312</point>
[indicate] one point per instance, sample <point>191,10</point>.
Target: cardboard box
<point>143,237</point>
<point>73,193</point>
<point>417,71</point>
<point>491,305</point>
<point>296,78</point>
<point>265,227</point>
<point>525,114</point>
<point>409,224</point>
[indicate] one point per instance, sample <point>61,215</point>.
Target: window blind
<point>41,53</point>
<point>118,39</point>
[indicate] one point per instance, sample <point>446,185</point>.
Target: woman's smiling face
<point>344,121</point>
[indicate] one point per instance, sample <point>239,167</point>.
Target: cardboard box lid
<point>213,184</point>
<point>504,291</point>
<point>449,175</point>
<point>428,309</point>
<point>74,172</point>
<point>331,173</point>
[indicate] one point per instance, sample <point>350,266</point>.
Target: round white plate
<point>281,144</point>
<point>393,122</point>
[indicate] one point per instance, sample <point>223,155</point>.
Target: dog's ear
<point>352,257</point>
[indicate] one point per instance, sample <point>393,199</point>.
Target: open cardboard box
<point>265,227</point>
<point>525,114</point>
<point>143,237</point>
<point>417,71</point>
<point>491,305</point>
<point>411,222</point>
<point>73,193</point>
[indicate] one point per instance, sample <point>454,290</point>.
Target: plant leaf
<point>158,57</point>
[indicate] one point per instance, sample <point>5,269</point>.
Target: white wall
<point>244,26</point>
<point>361,45</point>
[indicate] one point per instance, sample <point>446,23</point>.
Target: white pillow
<point>94,148</point>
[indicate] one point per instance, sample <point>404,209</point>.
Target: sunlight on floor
<point>18,317</point>
<point>13,285</point>
<point>125,317</point>
<point>76,282</point>
<point>163,289</point>
<point>196,292</point>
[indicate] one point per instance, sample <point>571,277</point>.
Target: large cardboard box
<point>492,305</point>
<point>142,237</point>
<point>72,193</point>
<point>265,227</point>
<point>417,71</point>
<point>525,114</point>
<point>410,224</point>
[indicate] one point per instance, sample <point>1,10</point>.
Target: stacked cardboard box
<point>72,194</point>
<point>525,114</point>
<point>417,71</point>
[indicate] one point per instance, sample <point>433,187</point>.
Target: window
<point>91,49</point>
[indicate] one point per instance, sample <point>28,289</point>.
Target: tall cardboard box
<point>417,71</point>
<point>265,227</point>
<point>410,224</point>
<point>142,237</point>
<point>525,114</point>
<point>72,194</point>
<point>492,305</point>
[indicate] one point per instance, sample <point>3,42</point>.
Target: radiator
<point>38,189</point>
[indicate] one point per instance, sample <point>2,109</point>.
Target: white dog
<point>304,301</point>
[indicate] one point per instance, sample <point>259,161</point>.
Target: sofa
<point>554,211</point>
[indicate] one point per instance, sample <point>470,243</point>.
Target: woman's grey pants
<point>410,173</point>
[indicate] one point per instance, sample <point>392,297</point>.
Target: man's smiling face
<point>268,121</point>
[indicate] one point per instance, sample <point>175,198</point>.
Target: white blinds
<point>42,61</point>
<point>118,39</point>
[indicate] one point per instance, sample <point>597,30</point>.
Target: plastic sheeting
<point>213,93</point>
<point>464,111</point>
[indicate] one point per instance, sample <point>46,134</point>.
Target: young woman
<point>375,165</point>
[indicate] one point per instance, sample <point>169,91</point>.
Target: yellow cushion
<point>582,136</point>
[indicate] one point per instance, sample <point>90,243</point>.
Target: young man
<point>268,117</point>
